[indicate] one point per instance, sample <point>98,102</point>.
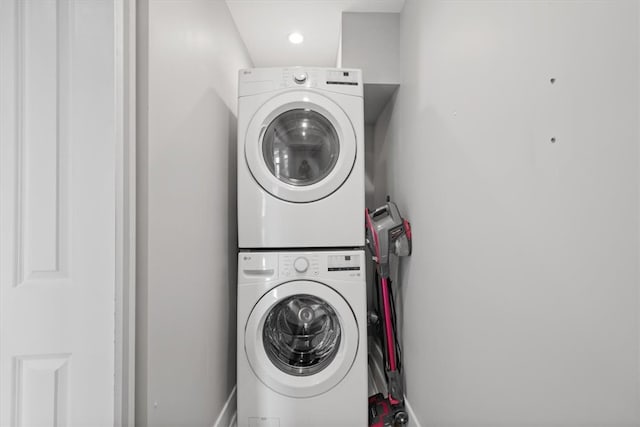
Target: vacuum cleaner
<point>388,234</point>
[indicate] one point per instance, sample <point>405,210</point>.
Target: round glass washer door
<point>301,338</point>
<point>300,146</point>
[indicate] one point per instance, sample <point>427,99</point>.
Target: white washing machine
<point>302,339</point>
<point>300,158</point>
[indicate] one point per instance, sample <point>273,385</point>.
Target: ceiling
<point>264,25</point>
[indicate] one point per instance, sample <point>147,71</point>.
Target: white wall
<point>521,299</point>
<point>187,240</point>
<point>369,41</point>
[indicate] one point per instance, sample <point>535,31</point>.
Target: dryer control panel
<point>319,77</point>
<point>252,81</point>
<point>312,77</point>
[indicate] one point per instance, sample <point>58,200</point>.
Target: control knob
<point>300,77</point>
<point>301,264</point>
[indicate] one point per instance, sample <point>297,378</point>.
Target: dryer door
<point>300,146</point>
<point>301,338</point>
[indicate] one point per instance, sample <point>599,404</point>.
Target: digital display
<point>342,78</point>
<point>344,263</point>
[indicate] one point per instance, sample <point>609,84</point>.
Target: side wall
<point>521,299</point>
<point>187,237</point>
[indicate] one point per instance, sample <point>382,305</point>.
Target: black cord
<point>397,346</point>
<point>381,319</point>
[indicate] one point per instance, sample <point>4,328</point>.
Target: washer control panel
<point>343,265</point>
<point>299,264</point>
<point>266,266</point>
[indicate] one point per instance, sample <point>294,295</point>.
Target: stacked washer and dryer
<point>302,329</point>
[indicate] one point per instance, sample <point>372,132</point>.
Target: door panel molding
<point>42,105</point>
<point>42,390</point>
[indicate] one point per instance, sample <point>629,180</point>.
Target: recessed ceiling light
<point>296,38</point>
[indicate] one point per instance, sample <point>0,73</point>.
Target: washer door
<point>300,146</point>
<point>301,338</point>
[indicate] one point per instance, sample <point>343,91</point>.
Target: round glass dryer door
<point>301,339</point>
<point>300,146</point>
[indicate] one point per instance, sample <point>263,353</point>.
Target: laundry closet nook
<point>507,132</point>
<point>184,240</point>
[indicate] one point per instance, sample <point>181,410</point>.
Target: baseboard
<point>227,417</point>
<point>413,420</point>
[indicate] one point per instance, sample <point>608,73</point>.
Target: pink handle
<point>391,353</point>
<point>386,306</point>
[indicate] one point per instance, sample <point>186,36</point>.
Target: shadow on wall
<point>232,243</point>
<point>381,139</point>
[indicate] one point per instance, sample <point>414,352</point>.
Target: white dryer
<point>302,331</point>
<point>300,158</point>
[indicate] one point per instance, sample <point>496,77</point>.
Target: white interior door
<point>57,217</point>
